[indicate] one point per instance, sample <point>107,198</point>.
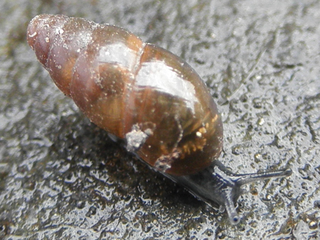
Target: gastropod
<point>146,96</point>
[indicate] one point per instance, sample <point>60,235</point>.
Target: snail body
<point>146,96</point>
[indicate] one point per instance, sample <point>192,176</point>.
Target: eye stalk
<point>216,185</point>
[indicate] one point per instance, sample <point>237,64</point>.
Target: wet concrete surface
<point>63,178</point>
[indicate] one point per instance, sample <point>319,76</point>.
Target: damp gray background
<point>62,178</point>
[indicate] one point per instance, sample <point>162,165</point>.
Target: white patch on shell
<point>136,138</point>
<point>33,34</point>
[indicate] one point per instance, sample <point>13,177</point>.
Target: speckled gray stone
<point>62,178</point>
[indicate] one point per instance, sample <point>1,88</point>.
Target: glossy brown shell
<point>136,91</point>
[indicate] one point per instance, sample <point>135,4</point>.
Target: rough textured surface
<point>61,177</point>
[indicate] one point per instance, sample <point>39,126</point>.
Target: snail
<point>146,97</point>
